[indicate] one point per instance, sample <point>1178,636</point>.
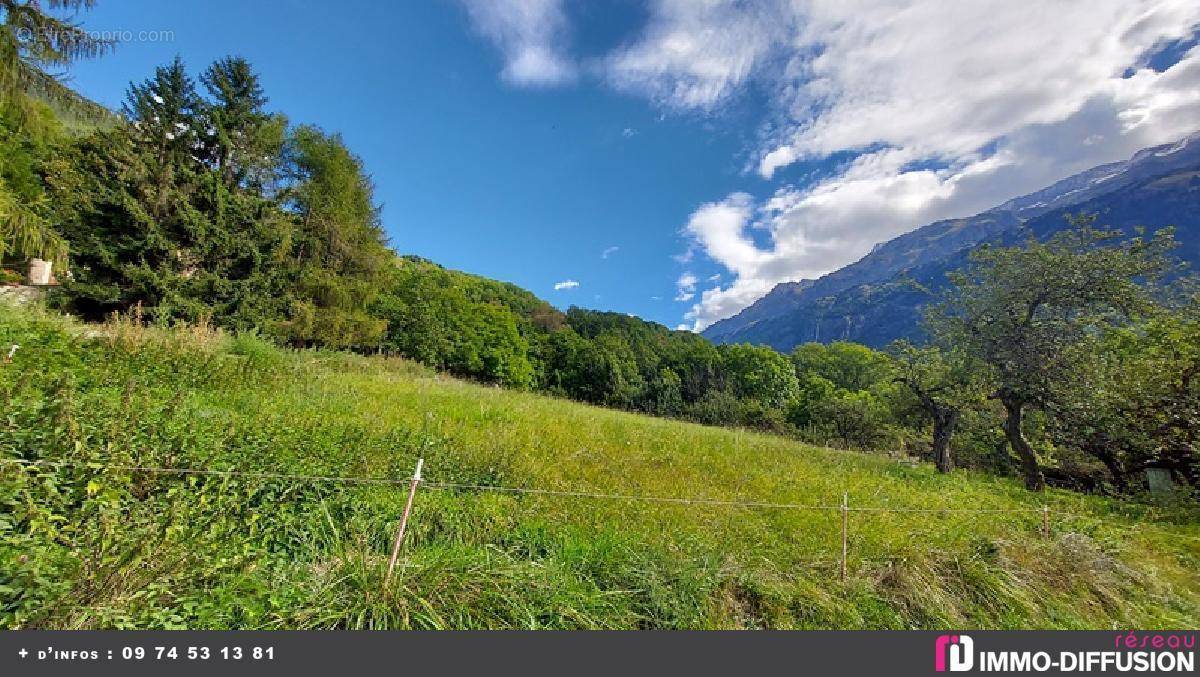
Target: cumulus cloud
<point>609,251</point>
<point>530,34</point>
<point>685,287</point>
<point>942,81</point>
<point>932,109</point>
<point>565,284</point>
<point>944,109</point>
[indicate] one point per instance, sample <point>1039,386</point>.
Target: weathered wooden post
<point>845,524</point>
<point>412,492</point>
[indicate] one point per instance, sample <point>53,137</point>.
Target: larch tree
<point>34,45</point>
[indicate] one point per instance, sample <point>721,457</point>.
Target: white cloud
<point>694,53</point>
<point>684,257</point>
<point>946,109</point>
<point>685,287</point>
<point>565,284</point>
<point>719,228</point>
<point>629,132</point>
<point>609,251</point>
<point>530,34</point>
<point>943,109</point>
<point>941,81</point>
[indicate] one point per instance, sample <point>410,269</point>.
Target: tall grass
<point>97,548</point>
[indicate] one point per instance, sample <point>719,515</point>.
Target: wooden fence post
<point>845,523</point>
<point>412,492</point>
<point>1046,521</point>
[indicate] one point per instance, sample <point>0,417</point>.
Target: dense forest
<point>1074,360</point>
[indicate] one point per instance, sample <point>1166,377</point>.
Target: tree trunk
<point>944,421</point>
<point>1114,467</point>
<point>1014,410</point>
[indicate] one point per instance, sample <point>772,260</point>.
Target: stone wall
<point>22,294</point>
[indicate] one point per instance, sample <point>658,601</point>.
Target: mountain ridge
<point>841,304</point>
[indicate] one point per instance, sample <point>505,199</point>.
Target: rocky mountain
<point>873,300</point>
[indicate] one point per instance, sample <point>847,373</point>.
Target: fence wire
<point>815,563</point>
<point>678,500</point>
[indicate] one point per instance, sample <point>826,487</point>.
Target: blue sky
<point>677,158</point>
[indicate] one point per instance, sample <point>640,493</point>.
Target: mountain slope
<point>872,302</point>
<point>269,550</point>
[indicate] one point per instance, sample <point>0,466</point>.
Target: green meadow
<point>86,542</point>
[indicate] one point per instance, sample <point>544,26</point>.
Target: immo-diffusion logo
<point>960,649</point>
<point>1131,652</point>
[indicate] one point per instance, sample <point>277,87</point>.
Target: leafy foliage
<point>338,248</point>
<point>24,230</point>
<point>454,322</point>
<point>1020,310</point>
<point>1132,398</point>
<point>33,42</point>
<point>943,383</point>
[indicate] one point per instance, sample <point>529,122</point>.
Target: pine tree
<point>340,252</point>
<point>163,109</point>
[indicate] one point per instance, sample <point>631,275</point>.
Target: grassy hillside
<point>86,548</point>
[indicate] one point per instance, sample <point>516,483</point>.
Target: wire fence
<point>835,567</point>
<point>432,484</point>
<point>844,507</point>
<point>429,484</point>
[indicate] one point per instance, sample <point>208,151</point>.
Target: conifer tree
<point>241,138</point>
<point>33,44</point>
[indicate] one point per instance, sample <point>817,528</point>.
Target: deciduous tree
<point>1019,309</point>
<point>943,384</point>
